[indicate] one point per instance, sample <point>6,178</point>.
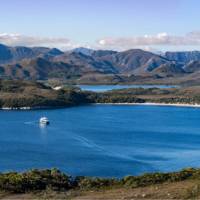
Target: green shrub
<point>37,180</point>
<point>34,180</point>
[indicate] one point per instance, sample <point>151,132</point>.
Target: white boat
<point>44,120</point>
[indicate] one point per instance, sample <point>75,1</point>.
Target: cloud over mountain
<point>161,39</point>
<point>24,40</point>
<point>156,42</point>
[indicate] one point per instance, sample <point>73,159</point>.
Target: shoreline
<point>32,108</point>
<point>139,104</point>
<point>154,104</point>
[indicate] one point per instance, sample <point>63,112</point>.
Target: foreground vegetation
<point>40,182</point>
<point>36,180</point>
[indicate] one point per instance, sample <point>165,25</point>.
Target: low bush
<point>36,180</point>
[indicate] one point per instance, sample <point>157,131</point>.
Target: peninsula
<point>16,94</point>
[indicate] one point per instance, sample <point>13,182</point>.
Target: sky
<point>101,24</point>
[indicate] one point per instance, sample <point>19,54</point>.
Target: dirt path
<point>179,190</point>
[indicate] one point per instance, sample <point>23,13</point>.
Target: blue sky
<point>111,24</point>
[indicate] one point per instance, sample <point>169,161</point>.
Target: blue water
<point>103,88</point>
<point>101,140</point>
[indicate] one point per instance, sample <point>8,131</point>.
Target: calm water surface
<point>101,140</point>
<point>103,88</point>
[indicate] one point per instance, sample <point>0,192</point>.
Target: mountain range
<point>87,65</point>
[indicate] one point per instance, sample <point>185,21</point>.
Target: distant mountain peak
<point>83,50</point>
<point>183,56</point>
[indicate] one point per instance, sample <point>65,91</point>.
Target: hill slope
<point>15,54</point>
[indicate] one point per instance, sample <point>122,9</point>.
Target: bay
<point>101,140</point>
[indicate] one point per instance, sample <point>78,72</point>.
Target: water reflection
<point>43,133</point>
<point>43,128</point>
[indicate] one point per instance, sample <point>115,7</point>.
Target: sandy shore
<point>155,104</point>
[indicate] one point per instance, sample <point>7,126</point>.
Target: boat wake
<point>31,122</point>
<point>90,144</point>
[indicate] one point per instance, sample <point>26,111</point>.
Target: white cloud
<point>102,42</point>
<point>150,41</point>
<point>23,40</point>
<point>160,41</point>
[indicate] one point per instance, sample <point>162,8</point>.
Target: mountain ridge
<point>41,63</point>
